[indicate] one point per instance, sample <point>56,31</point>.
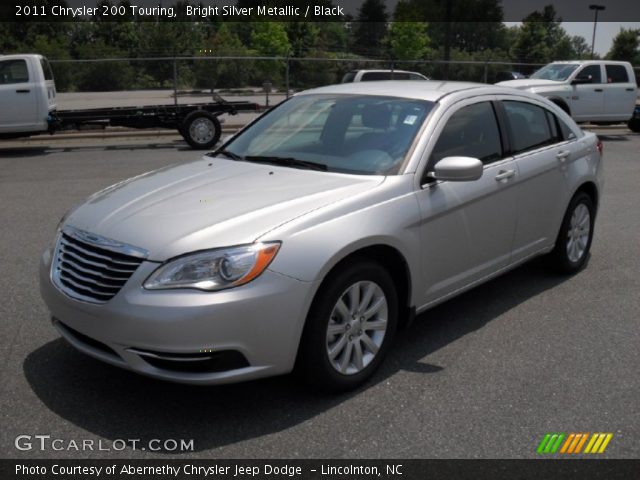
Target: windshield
<point>555,71</point>
<point>348,77</point>
<point>361,134</point>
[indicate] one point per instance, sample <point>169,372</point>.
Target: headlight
<point>214,269</point>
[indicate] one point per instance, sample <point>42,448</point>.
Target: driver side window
<point>473,132</point>
<point>592,72</point>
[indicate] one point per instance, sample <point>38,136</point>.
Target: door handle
<point>505,175</point>
<point>562,155</point>
<point>23,91</point>
<point>598,90</point>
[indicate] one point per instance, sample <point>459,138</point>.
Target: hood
<point>210,203</point>
<point>525,83</point>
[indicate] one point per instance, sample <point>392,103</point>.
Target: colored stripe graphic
<point>572,443</point>
<point>598,442</point>
<point>550,443</point>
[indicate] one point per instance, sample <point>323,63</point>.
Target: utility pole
<point>597,8</point>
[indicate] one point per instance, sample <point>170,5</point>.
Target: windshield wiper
<point>226,153</point>
<point>287,162</point>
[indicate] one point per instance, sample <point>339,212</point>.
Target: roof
<point>20,55</point>
<point>384,70</point>
<point>582,62</point>
<point>431,90</point>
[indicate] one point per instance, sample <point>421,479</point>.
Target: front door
<point>467,228</point>
<point>18,101</point>
<point>588,97</point>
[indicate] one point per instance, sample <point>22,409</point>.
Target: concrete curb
<point>79,135</point>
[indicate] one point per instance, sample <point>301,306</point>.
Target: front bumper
<point>261,321</point>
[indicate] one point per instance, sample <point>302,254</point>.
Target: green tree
<point>220,73</point>
<point>580,48</point>
<point>408,40</point>
<point>370,28</point>
<point>625,46</point>
<point>270,39</point>
<point>541,38</point>
<point>103,75</point>
<point>470,25</point>
<point>166,39</point>
<point>57,48</point>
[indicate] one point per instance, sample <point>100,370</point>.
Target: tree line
<point>474,31</point>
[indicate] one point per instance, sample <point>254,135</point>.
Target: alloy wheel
<point>357,327</point>
<point>578,233</point>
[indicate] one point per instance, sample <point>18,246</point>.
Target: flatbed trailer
<point>199,124</point>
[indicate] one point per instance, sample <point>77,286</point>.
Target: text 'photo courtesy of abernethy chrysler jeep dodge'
<point>311,236</point>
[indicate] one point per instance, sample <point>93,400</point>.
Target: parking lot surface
<point>484,375</point>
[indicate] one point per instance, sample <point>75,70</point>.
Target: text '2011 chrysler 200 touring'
<point>313,233</point>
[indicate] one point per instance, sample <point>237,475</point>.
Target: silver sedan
<point>309,237</point>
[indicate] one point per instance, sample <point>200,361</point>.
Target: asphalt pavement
<point>484,375</point>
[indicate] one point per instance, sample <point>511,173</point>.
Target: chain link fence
<point>266,80</point>
<point>235,72</point>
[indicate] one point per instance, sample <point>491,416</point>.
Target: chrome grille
<point>92,268</point>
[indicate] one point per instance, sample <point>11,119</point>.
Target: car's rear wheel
<point>576,233</point>
<point>349,327</point>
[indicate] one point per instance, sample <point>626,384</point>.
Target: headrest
<point>376,116</point>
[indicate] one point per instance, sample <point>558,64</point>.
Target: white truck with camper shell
<point>28,107</point>
<point>597,91</point>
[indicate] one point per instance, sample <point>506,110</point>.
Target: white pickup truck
<point>28,106</point>
<point>27,95</point>
<point>596,91</point>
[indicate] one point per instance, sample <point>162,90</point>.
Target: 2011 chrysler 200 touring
<point>313,233</point>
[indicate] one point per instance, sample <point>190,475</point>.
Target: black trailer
<point>198,124</point>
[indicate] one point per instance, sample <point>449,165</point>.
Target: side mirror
<point>581,79</point>
<point>457,169</point>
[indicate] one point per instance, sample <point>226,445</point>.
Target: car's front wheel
<point>576,233</point>
<point>349,327</point>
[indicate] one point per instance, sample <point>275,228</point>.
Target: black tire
<point>634,125</point>
<point>313,363</point>
<point>560,256</point>
<point>201,130</point>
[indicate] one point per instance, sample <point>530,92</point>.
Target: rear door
<point>18,96</point>
<point>619,93</point>
<point>541,153</point>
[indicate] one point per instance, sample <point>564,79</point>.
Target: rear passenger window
<point>373,76</point>
<point>567,133</point>
<point>470,132</point>
<point>529,126</point>
<point>616,74</point>
<point>13,71</point>
<point>46,69</point>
